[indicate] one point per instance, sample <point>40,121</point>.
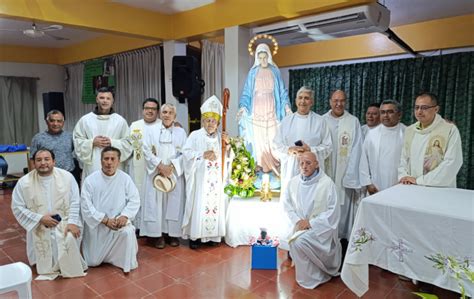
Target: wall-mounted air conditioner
<point>341,23</point>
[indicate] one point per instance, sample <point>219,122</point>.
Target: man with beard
<point>46,203</point>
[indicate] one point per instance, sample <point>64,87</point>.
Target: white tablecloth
<point>245,217</point>
<point>398,228</point>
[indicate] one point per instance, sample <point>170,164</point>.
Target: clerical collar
<point>301,115</point>
<point>166,128</point>
<point>213,135</point>
<point>420,126</point>
<point>430,127</point>
<point>395,127</point>
<point>109,177</point>
<point>45,178</point>
<point>337,117</point>
<point>307,178</point>
<point>96,111</point>
<point>150,123</point>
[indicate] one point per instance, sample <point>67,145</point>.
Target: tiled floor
<point>210,272</point>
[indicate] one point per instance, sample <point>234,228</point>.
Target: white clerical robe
<point>316,252</point>
<point>32,198</point>
<point>91,125</point>
<point>343,165</point>
<point>366,129</point>
<point>163,212</point>
<point>137,168</point>
<point>139,130</point>
<point>433,155</point>
<point>312,130</point>
<point>381,156</point>
<point>112,197</point>
<point>204,214</point>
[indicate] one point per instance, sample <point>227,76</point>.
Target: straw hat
<point>163,184</point>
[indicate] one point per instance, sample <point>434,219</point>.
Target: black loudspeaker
<point>186,78</point>
<point>53,101</point>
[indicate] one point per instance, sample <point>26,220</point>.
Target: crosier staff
<point>225,106</point>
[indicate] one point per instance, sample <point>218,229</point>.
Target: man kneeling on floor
<point>110,201</point>
<point>46,203</point>
<point>310,202</point>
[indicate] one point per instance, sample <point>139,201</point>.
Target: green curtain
<point>451,77</point>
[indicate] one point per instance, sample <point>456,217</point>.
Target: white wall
<point>51,79</point>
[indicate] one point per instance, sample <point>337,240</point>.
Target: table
<point>245,217</point>
<point>400,229</point>
<point>17,161</point>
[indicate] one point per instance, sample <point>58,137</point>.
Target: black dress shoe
<point>174,242</point>
<point>160,243</point>
<point>194,244</point>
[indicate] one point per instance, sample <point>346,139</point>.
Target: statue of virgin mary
<point>263,104</point>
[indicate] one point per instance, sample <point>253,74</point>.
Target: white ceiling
<point>14,35</point>
<point>402,12</point>
<point>166,6</point>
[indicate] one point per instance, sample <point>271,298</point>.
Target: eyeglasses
<point>211,121</point>
<point>424,107</point>
<point>150,108</point>
<point>391,111</point>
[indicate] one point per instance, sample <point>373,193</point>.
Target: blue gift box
<point>264,257</point>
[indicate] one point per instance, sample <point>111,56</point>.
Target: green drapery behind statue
<point>451,77</point>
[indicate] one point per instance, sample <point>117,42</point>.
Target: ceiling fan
<point>35,32</point>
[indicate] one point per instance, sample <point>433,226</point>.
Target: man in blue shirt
<point>58,141</point>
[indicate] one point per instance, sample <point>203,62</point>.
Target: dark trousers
<point>77,172</point>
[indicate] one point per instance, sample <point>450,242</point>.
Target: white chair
<point>16,277</point>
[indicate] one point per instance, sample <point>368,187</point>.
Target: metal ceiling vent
<point>341,23</point>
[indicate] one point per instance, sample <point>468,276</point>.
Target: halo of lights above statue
<point>262,36</point>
